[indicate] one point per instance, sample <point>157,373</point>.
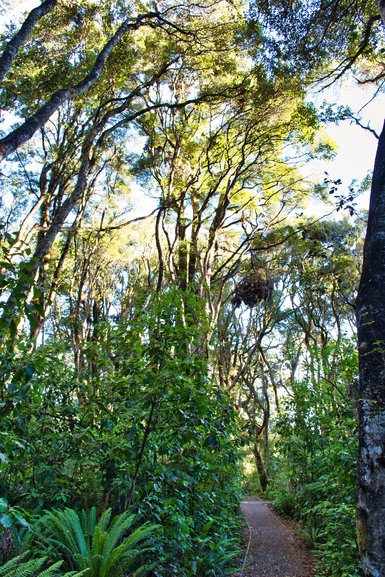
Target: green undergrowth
<point>314,468</point>
<point>329,529</point>
<point>147,432</point>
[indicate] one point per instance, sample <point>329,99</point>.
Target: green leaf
<point>6,520</point>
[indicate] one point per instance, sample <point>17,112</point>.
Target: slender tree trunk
<point>160,251</point>
<point>12,48</point>
<point>370,310</point>
<point>146,435</point>
<point>46,302</point>
<point>23,133</point>
<point>182,268</point>
<point>262,473</point>
<point>23,291</point>
<point>195,225</point>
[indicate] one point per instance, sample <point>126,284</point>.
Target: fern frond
<point>141,533</point>
<point>144,569</point>
<point>91,520</point>
<point>52,570</point>
<point>119,562</point>
<point>20,566</point>
<point>12,563</point>
<point>105,519</point>
<point>97,551</point>
<point>93,548</point>
<point>56,529</point>
<point>88,521</point>
<point>77,532</point>
<point>118,528</point>
<point>120,558</point>
<point>84,520</point>
<point>84,573</point>
<point>100,541</point>
<point>72,535</point>
<point>28,568</point>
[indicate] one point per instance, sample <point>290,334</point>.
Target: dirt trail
<point>273,549</point>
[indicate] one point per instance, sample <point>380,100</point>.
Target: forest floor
<point>273,550</point>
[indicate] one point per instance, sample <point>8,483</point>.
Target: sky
<point>356,147</point>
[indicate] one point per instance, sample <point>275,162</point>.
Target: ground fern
<point>108,547</point>
<point>23,566</point>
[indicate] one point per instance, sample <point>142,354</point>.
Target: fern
<point>105,519</point>
<point>119,526</point>
<point>21,566</point>
<point>98,548</point>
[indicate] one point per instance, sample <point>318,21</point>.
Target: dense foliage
<point>143,430</point>
<point>317,438</point>
<point>144,352</point>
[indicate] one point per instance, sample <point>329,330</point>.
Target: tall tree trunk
<point>13,46</point>
<point>46,301</point>
<point>25,131</point>
<point>370,310</point>
<point>23,291</point>
<point>182,268</point>
<point>262,473</point>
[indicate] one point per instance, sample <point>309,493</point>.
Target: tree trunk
<point>370,310</point>
<point>23,133</point>
<point>12,48</point>
<point>262,473</point>
<point>23,291</point>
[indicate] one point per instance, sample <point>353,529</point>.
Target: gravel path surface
<point>274,550</point>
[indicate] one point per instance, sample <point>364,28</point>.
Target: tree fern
<point>105,547</point>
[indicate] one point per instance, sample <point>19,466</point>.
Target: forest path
<point>273,548</point>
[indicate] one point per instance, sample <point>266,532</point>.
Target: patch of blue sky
<point>355,145</point>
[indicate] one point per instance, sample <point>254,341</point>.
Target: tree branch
<point>348,62</point>
<point>23,133</point>
<point>14,45</point>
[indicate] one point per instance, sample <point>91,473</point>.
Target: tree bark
<point>12,48</point>
<point>262,473</point>
<point>381,9</point>
<point>370,310</point>
<point>24,290</point>
<point>25,131</point>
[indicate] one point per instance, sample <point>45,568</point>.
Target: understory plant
<point>97,547</point>
<point>24,566</point>
<point>315,463</point>
<point>146,430</point>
